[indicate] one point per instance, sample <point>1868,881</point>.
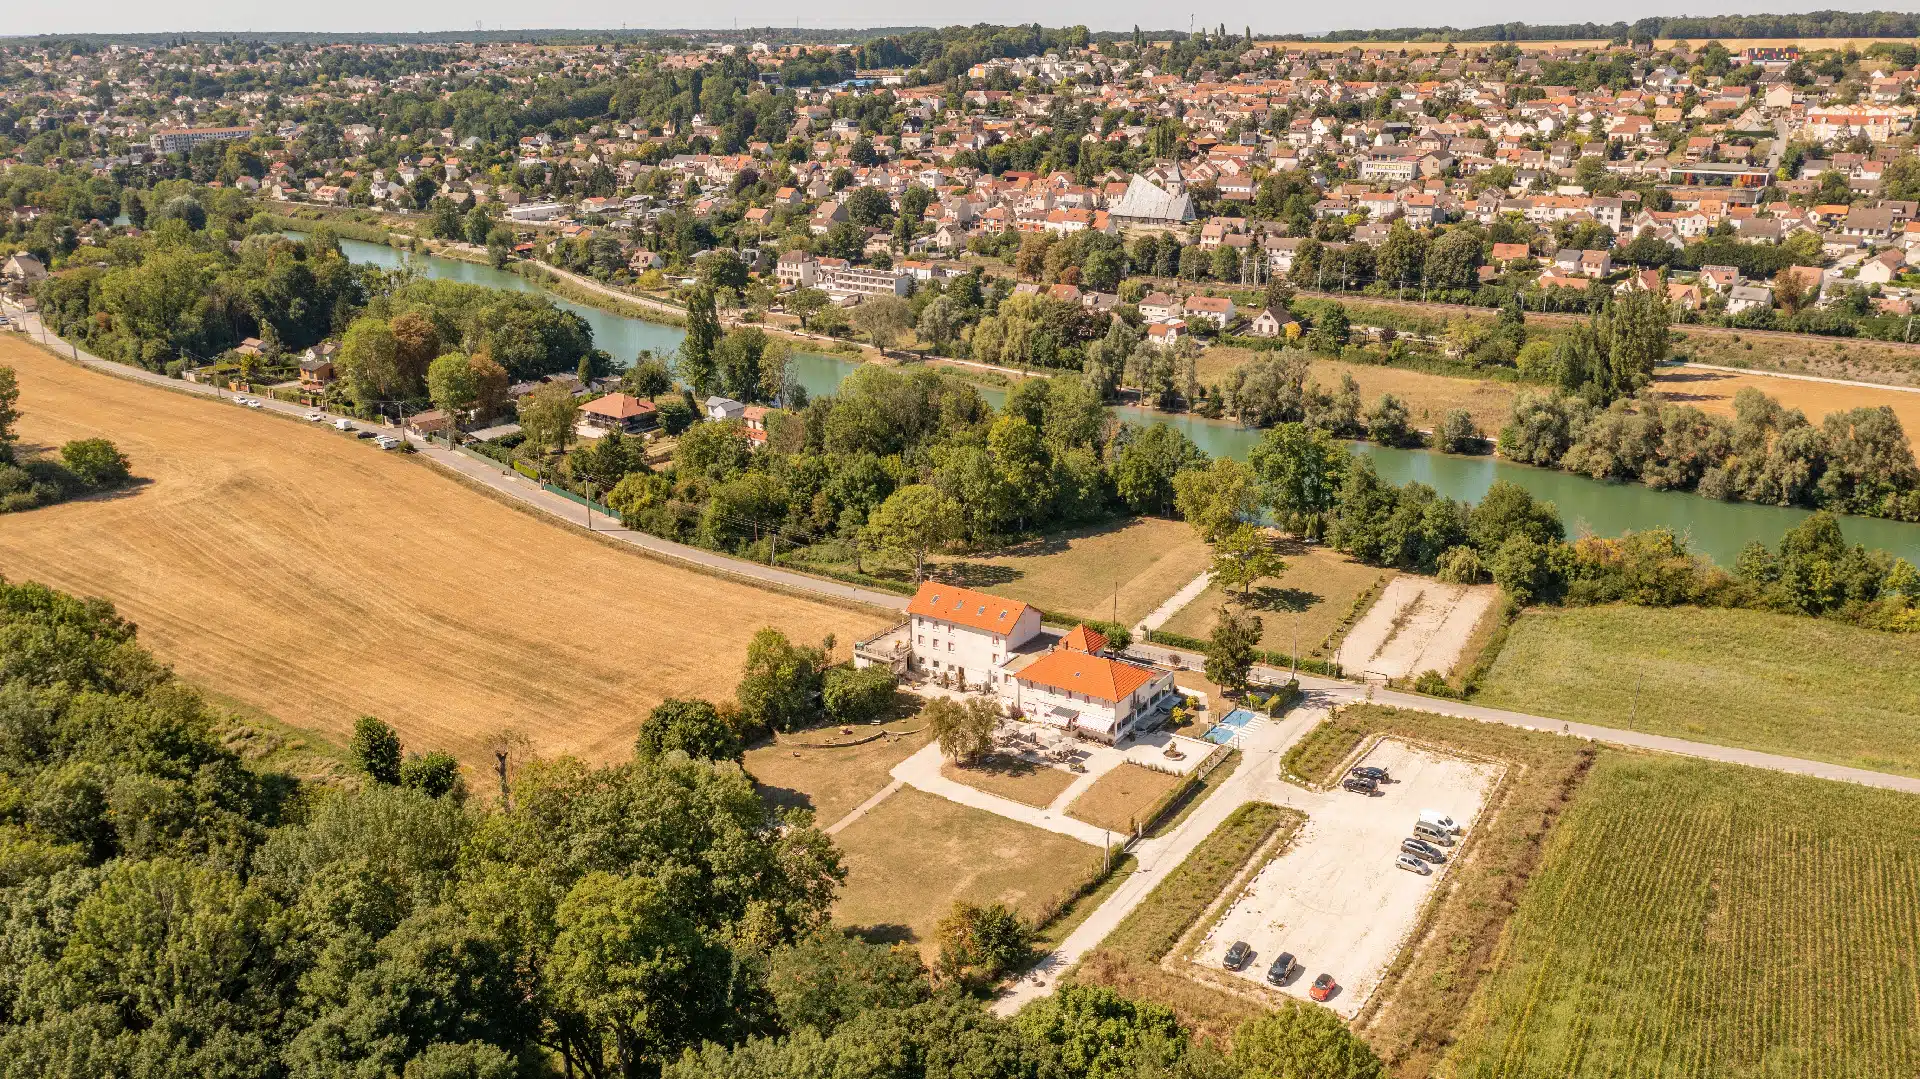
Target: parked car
<point>1360,786</point>
<point>386,442</point>
<point>253,402</point>
<point>1368,771</point>
<point>1239,955</point>
<point>1411,864</point>
<point>316,417</point>
<point>363,433</point>
<point>1282,969</point>
<point>1438,820</point>
<point>1428,832</point>
<point>1423,850</point>
<point>1323,987</point>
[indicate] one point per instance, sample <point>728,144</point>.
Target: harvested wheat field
<point>316,578</point>
<point>1713,391</point>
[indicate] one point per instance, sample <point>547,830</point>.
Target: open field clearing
<point>1417,625</point>
<point>1335,898</point>
<point>1428,396</point>
<point>831,781</point>
<point>1859,358</point>
<point>1713,391</point>
<point>1021,780</point>
<point>1076,571</point>
<point>1118,800</point>
<point>1702,919</point>
<point>1804,687</point>
<point>318,579</point>
<point>915,853</point>
<point>1311,601</point>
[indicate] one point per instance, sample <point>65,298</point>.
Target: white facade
<point>962,635</point>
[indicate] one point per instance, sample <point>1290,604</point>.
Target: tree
<point>434,774</point>
<point>1230,648</point>
<point>737,362</point>
<point>859,695</point>
<point>1300,471</point>
<point>453,384</point>
<point>1300,1041</point>
<point>980,945</point>
<point>805,303</point>
<point>1329,333</point>
<point>1145,463</point>
<point>831,976</point>
<point>1217,499</point>
<point>697,362</point>
<point>547,417</point>
<point>1094,1032</point>
<point>1243,556</point>
<point>369,362</point>
<point>883,319</point>
<point>375,749</point>
<point>781,683</point>
<point>96,462</point>
<point>1457,433</point>
<point>416,342</point>
<point>964,732</point>
<point>9,412</point>
<point>913,521</point>
<point>694,727</point>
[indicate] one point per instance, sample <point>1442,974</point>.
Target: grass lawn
<point>1010,777</point>
<point>1319,583</point>
<point>915,853</point>
<point>1693,918</point>
<point>1803,687</point>
<point>1076,571</point>
<point>831,782</point>
<point>1117,800</point>
<point>1314,757</point>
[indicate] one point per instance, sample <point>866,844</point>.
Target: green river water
<point>1715,529</point>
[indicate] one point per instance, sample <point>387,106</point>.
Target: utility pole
<point>589,507</point>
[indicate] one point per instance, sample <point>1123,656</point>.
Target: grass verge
<point>1022,781</point>
<point>1314,757</point>
<point>1120,800</point>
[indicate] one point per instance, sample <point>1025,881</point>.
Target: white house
<point>966,635</point>
<point>721,409</point>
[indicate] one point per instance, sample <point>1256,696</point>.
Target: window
<point>923,638</point>
<point>949,646</point>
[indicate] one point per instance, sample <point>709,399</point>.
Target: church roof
<point>1145,202</point>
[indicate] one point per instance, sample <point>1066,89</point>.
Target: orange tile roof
<point>1082,639</point>
<point>1077,672</point>
<point>965,607</point>
<point>619,406</point>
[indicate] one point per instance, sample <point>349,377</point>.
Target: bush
<point>1433,684</point>
<point>96,462</point>
<point>858,696</point>
<point>1458,433</point>
<point>1462,565</point>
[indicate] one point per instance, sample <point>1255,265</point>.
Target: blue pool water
<point>1223,731</point>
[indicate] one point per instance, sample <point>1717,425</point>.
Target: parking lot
<point>1335,899</point>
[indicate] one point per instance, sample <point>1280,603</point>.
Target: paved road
<point>509,483</point>
<point>1336,689</point>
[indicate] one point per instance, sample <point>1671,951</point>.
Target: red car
<point>1323,987</point>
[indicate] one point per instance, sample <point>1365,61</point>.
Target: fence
<point>526,470</point>
<point>1177,795</point>
<point>571,497</point>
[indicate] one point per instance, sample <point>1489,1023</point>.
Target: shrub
<point>95,462</point>
<point>1462,565</point>
<point>858,696</point>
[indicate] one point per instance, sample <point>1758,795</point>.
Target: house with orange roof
<point>962,636</point>
<point>1078,688</point>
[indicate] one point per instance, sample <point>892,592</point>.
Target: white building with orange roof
<point>1077,688</point>
<point>963,636</point>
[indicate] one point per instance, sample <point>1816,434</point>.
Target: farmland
<point>1320,584</point>
<point>1777,683</point>
<point>1713,392</point>
<point>915,853</point>
<point>1703,919</point>
<point>1428,396</point>
<point>307,575</point>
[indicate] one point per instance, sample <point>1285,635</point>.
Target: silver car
<point>1411,864</point>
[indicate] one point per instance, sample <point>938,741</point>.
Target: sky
<point>129,16</point>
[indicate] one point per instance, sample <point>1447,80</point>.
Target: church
<point>1146,205</point>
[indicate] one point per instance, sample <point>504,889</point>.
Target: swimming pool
<point>1224,731</point>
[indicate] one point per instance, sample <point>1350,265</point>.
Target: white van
<point>343,424</point>
<point>1438,820</point>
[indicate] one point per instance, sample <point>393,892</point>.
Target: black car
<point>1368,771</point>
<point>1282,969</point>
<point>1360,786</point>
<point>1239,955</point>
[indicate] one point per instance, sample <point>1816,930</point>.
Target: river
<point>1715,529</point>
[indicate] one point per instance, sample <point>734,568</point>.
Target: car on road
<point>1360,786</point>
<point>316,417</point>
<point>1282,969</point>
<point>1411,864</point>
<point>1323,987</point>
<point>1368,771</point>
<point>1239,955</point>
<point>253,402</point>
<point>1423,850</point>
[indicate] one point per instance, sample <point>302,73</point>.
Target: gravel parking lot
<point>1416,625</point>
<point>1335,899</point>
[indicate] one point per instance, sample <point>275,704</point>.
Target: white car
<point>253,402</point>
<point>316,417</point>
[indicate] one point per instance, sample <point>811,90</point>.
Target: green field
<point>1696,919</point>
<point>1803,687</point>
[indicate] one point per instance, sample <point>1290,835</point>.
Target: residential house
<point>1166,334</point>
<point>963,636</point>
<point>615,412</point>
<point>721,409</point>
<point>1158,306</point>
<point>1747,297</point>
<point>1218,310</point>
<point>1076,688</point>
<point>1273,323</point>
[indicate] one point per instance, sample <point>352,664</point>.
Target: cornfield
<point>1705,920</point>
